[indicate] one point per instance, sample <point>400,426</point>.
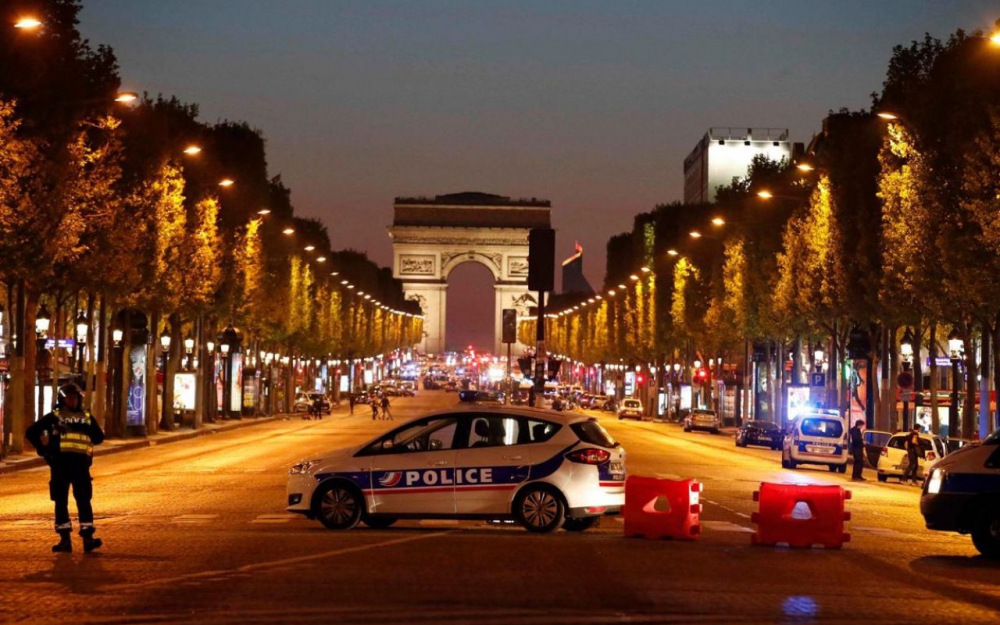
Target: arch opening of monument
<point>469,307</point>
<point>433,236</point>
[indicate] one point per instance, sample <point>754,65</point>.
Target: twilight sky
<point>592,105</point>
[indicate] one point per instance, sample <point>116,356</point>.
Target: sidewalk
<point>17,462</point>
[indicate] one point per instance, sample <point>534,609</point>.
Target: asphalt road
<point>196,531</point>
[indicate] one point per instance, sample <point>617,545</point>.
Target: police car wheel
<point>986,535</point>
<point>882,477</point>
<point>842,468</point>
<point>378,522</point>
<point>579,525</point>
<point>338,507</point>
<point>539,510</point>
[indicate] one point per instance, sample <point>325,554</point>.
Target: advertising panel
<point>184,385</point>
<point>135,407</point>
<point>796,401</point>
<point>686,397</point>
<point>629,383</point>
<point>236,379</point>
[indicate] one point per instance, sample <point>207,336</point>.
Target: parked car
<point>891,461</point>
<point>815,438</point>
<point>759,433</point>
<point>875,440</point>
<point>954,444</point>
<point>304,402</point>
<point>630,408</point>
<point>494,398</point>
<point>702,419</point>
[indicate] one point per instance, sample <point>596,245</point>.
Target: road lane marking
<point>274,518</point>
<point>194,519</point>
<point>250,568</point>
<point>725,526</point>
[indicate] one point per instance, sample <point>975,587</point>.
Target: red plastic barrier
<point>658,508</point>
<point>801,515</point>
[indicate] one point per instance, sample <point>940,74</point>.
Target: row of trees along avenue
<point>890,222</point>
<point>108,207</point>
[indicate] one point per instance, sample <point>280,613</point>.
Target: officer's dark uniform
<point>65,438</point>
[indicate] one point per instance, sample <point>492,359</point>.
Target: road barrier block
<point>660,508</point>
<point>800,515</point>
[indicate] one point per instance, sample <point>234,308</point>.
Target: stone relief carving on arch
<point>420,299</point>
<point>523,302</point>
<point>492,261</point>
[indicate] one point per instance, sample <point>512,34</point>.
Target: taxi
<point>543,469</point>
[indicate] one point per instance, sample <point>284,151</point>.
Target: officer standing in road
<point>65,438</point>
<point>913,453</point>
<point>857,445</point>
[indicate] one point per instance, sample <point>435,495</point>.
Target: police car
<point>962,494</point>
<point>545,470</point>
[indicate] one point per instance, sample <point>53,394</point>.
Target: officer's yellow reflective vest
<point>75,437</point>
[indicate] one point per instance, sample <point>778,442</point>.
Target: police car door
<point>413,472</point>
<point>491,466</point>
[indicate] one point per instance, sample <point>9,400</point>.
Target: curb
<point>38,461</point>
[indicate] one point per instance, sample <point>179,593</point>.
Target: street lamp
<point>165,405</point>
<point>27,23</point>
<point>955,348</point>
<point>42,320</point>
<point>82,325</point>
<point>906,356</point>
<point>189,349</point>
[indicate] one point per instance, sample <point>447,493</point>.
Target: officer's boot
<point>65,544</point>
<point>89,542</point>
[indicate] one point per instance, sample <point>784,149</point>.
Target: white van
<point>962,494</point>
<point>815,438</point>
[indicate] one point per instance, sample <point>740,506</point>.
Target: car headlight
<point>935,481</point>
<point>301,468</point>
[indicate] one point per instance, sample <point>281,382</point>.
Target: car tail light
<point>931,455</point>
<point>589,456</point>
<point>885,452</point>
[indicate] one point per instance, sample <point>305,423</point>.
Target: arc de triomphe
<point>432,236</point>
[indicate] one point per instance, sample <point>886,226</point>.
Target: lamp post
<point>165,404</point>
<point>955,348</point>
<point>82,325</point>
<point>42,320</point>
<point>906,357</point>
<point>226,373</point>
<point>189,350</point>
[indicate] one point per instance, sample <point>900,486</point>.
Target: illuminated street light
<point>191,150</point>
<point>805,167</point>
<point>264,211</point>
<point>27,23</point>
<point>718,221</point>
<point>42,320</point>
<point>633,277</point>
<point>695,234</point>
<point>611,292</point>
<point>645,270</point>
<point>672,252</point>
<point>288,231</point>
<point>321,259</point>
<point>126,97</point>
<point>887,115</point>
<point>767,195</point>
<point>226,182</point>
<point>309,248</point>
<point>621,286</point>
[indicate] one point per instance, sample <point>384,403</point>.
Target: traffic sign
<point>817,379</point>
<point>904,379</point>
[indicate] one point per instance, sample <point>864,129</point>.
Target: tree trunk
<point>30,297</point>
<point>985,340</point>
<point>893,417</point>
<point>995,419</point>
<point>971,369</point>
<point>935,381</point>
<point>153,394</point>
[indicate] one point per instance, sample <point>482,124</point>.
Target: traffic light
<point>701,375</point>
<point>639,379</point>
<point>541,259</point>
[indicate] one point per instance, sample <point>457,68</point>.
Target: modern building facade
<point>725,153</point>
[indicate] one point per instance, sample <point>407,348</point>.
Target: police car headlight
<point>935,481</point>
<point>301,468</point>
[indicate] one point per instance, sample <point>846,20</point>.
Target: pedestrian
<point>386,414</point>
<point>66,437</point>
<point>374,405</point>
<point>913,453</point>
<point>350,400</point>
<point>317,407</point>
<point>857,446</point>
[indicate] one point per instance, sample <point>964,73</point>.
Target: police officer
<point>857,446</point>
<point>65,438</point>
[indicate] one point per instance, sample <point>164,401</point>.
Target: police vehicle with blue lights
<point>961,494</point>
<point>545,470</point>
